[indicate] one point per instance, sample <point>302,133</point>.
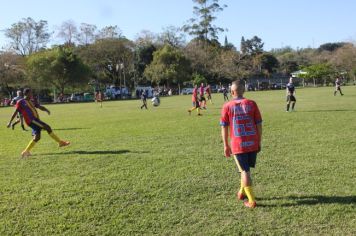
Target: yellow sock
<point>249,193</point>
<point>30,145</point>
<point>198,110</point>
<point>55,137</point>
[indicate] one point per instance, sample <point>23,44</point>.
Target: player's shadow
<point>334,110</point>
<point>308,200</point>
<point>71,129</point>
<point>95,152</point>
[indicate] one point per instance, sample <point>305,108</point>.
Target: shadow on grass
<point>309,200</point>
<point>71,129</point>
<point>97,152</point>
<point>335,110</point>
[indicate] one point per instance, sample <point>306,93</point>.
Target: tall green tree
<point>169,65</point>
<point>111,60</point>
<point>28,36</point>
<point>58,67</point>
<point>201,26</point>
<point>143,57</point>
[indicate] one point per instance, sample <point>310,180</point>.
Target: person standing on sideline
<point>338,86</point>
<point>19,116</point>
<point>27,107</point>
<point>242,119</point>
<point>290,90</point>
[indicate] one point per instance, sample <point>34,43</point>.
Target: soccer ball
<point>155,101</point>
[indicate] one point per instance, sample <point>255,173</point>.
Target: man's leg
<point>293,104</point>
<point>49,130</point>
<point>247,182</point>
<point>22,123</point>
<point>37,136</point>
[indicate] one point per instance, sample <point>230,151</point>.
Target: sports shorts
<point>291,98</point>
<point>245,161</point>
<point>37,125</point>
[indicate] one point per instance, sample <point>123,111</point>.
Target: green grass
<point>131,171</point>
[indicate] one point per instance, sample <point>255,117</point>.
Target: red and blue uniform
<point>28,110</point>
<point>242,115</point>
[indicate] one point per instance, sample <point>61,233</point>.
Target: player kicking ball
<point>242,119</point>
<point>27,108</point>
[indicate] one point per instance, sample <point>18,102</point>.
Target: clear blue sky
<point>295,23</point>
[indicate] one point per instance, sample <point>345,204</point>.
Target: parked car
<point>185,91</point>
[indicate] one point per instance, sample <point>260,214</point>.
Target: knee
<point>37,138</point>
<point>48,129</point>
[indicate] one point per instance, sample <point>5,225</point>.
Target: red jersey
<point>195,95</point>
<point>201,90</point>
<point>242,115</point>
<point>28,110</point>
<point>207,90</point>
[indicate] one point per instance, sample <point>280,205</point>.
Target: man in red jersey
<point>27,108</point>
<point>208,93</point>
<point>241,117</point>
<point>195,101</point>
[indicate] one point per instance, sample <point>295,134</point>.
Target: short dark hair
<point>26,91</point>
<point>240,85</point>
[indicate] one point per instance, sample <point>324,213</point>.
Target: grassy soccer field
<point>161,171</point>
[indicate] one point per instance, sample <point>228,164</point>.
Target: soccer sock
<point>55,137</point>
<point>288,106</point>
<point>249,194</point>
<point>30,145</point>
<point>293,104</point>
<point>242,190</point>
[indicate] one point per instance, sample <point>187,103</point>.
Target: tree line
<point>89,56</point>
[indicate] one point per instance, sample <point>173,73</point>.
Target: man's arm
<point>42,108</point>
<point>12,118</point>
<point>225,139</point>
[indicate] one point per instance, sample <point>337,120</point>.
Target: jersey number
<point>246,129</point>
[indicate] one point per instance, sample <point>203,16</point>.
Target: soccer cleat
<point>13,126</point>
<point>25,154</point>
<point>240,196</point>
<point>199,114</point>
<point>189,111</point>
<point>250,205</point>
<point>63,143</point>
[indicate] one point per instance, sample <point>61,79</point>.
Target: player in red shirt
<point>195,101</point>
<point>27,108</point>
<point>208,93</point>
<point>99,97</point>
<point>242,119</point>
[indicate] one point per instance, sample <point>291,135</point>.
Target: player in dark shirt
<point>144,99</point>
<point>338,87</point>
<point>290,95</point>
